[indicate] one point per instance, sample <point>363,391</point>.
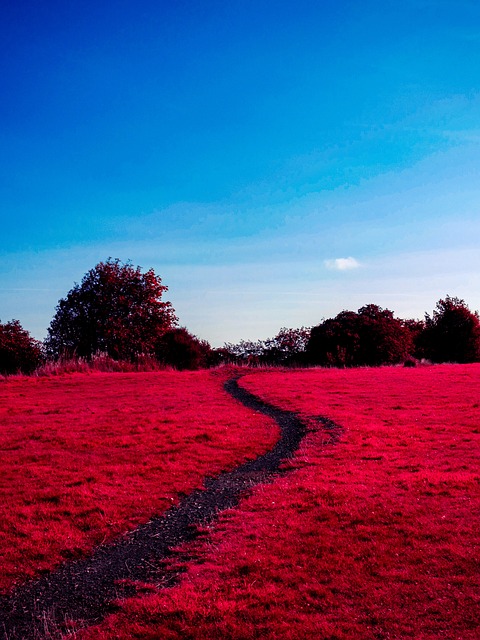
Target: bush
<point>180,349</point>
<point>19,352</point>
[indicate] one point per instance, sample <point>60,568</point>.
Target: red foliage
<point>19,352</point>
<point>117,310</point>
<point>86,457</point>
<point>374,537</point>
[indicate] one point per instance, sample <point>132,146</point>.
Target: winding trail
<point>83,591</point>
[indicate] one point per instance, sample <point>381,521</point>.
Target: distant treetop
<point>370,337</point>
<point>452,332</point>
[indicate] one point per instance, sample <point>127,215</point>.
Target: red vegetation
<point>86,457</point>
<point>373,537</point>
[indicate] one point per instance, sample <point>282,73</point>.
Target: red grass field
<point>376,536</point>
<point>86,457</point>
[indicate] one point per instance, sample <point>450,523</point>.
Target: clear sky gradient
<point>274,162</point>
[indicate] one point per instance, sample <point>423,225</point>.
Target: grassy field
<point>375,536</point>
<point>87,457</point>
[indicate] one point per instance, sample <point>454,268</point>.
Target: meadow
<point>372,533</point>
<point>86,457</point>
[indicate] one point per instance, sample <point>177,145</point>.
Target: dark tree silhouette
<point>182,350</point>
<point>384,338</point>
<point>370,337</point>
<point>452,333</point>
<point>287,347</point>
<point>335,341</point>
<point>19,352</point>
<point>117,310</point>
<point>220,356</point>
<point>245,351</point>
<point>416,329</point>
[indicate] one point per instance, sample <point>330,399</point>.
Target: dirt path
<point>83,590</point>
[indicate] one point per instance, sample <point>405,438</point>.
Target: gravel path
<point>82,591</point>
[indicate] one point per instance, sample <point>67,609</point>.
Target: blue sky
<point>274,162</point>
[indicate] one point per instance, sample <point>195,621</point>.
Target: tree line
<point>118,312</point>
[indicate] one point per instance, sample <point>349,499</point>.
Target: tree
<point>384,338</point>
<point>416,329</point>
<point>370,337</point>
<point>117,310</point>
<point>245,351</point>
<point>287,347</point>
<point>335,341</point>
<point>452,333</point>
<point>180,349</point>
<point>19,352</point>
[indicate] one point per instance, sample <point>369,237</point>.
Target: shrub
<point>180,349</point>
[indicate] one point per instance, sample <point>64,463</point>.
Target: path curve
<point>83,590</point>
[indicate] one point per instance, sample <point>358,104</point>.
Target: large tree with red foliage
<point>116,309</point>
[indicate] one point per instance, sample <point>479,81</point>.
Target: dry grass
<point>101,363</point>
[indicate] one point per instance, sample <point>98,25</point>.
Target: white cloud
<point>342,264</point>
